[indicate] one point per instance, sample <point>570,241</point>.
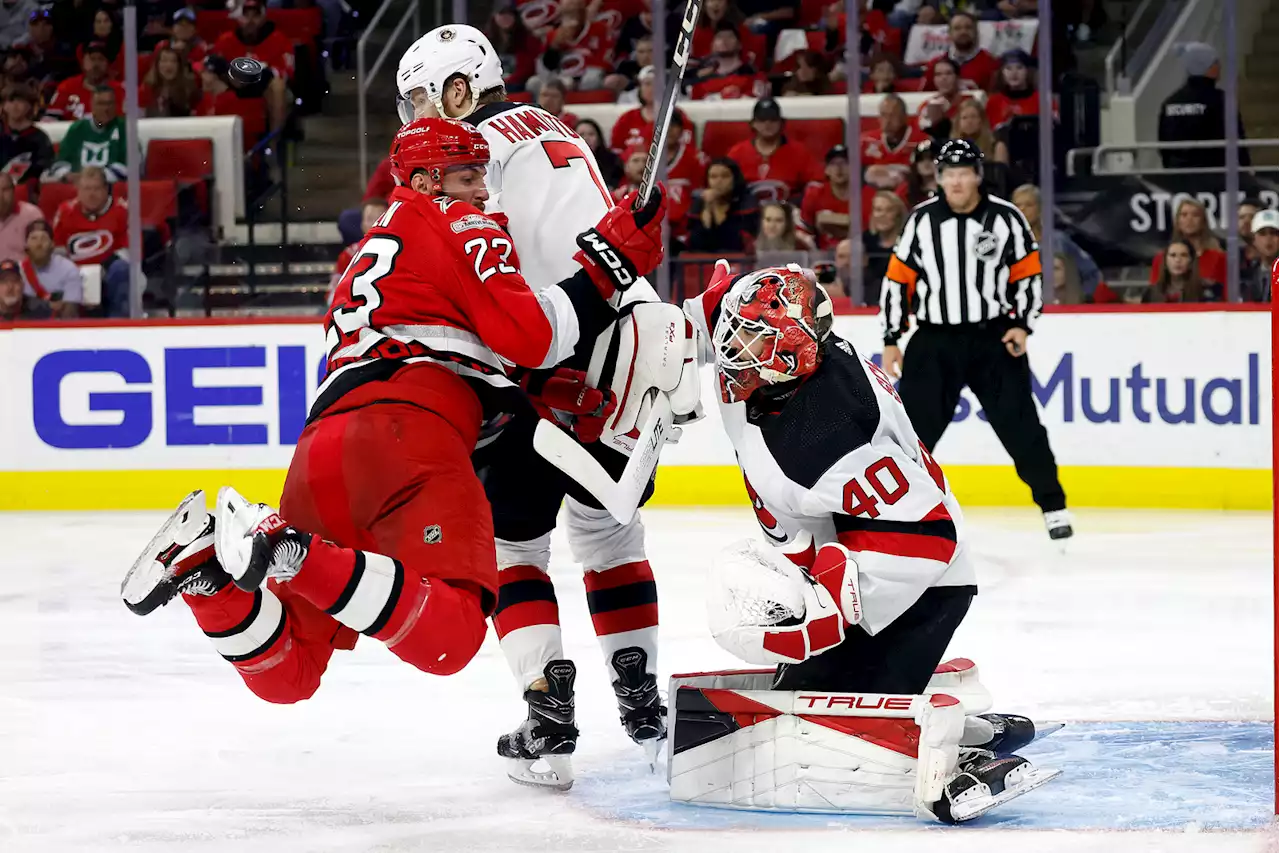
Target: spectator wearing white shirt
<point>50,276</point>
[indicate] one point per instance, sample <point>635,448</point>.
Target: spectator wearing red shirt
<point>370,212</point>
<point>973,62</point>
<point>725,74</point>
<point>74,96</point>
<point>258,38</point>
<point>260,105</point>
<point>516,46</point>
<point>810,77</point>
<point>883,78</point>
<point>169,89</point>
<point>886,154</point>
<point>824,212</point>
<point>580,47</point>
<point>106,30</point>
<point>1181,278</point>
<point>184,39</point>
<point>633,163</point>
<point>93,228</point>
<point>1015,92</point>
<point>937,112</point>
<point>715,13</point>
<point>775,168</point>
<point>636,126</point>
<point>686,171</point>
<point>1191,225</point>
<point>551,97</point>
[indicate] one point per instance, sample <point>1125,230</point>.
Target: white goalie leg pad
<point>736,746</point>
<point>958,677</point>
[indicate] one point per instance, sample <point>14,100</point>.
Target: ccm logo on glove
<point>604,254</point>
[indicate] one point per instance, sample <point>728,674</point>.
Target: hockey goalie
<point>857,603</point>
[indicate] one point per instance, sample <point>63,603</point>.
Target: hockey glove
<point>625,245</point>
<point>566,390</point>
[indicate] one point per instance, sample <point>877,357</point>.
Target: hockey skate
<point>548,736</point>
<point>985,781</point>
<point>643,715</point>
<point>178,559</point>
<point>1058,523</point>
<point>1009,732</point>
<point>254,543</point>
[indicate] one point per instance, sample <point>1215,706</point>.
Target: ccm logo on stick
<point>888,703</point>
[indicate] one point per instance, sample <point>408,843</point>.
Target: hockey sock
<point>425,621</point>
<point>623,601</point>
<point>527,621</point>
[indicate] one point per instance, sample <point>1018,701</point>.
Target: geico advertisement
<point>1182,389</point>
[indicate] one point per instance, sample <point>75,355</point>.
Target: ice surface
<point>119,733</point>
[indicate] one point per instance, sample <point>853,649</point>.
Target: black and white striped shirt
<point>951,268</point>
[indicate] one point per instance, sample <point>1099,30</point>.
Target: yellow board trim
<point>678,485</point>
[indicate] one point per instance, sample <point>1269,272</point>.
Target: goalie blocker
<point>736,743</point>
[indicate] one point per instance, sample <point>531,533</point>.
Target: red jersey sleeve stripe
<point>899,544</point>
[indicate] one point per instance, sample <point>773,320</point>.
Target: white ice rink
<point>119,733</point>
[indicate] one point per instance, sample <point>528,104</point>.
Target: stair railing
<point>365,75</point>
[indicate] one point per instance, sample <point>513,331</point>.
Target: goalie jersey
<point>834,458</point>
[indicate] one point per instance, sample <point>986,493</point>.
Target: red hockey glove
<point>566,390</point>
<point>625,244</point>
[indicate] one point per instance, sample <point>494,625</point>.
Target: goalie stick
<point>622,497</point>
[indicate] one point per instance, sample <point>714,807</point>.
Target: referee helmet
<point>959,153</point>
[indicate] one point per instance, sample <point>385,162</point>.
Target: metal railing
<point>1134,47</point>
<point>365,75</point>
<point>1097,153</point>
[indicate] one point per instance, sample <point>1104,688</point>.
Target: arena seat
<point>719,136</point>
<point>189,162</point>
<point>591,96</point>
<point>301,25</point>
<point>817,134</point>
<point>159,200</point>
<point>54,194</point>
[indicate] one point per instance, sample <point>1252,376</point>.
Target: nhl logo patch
<point>985,246</point>
<point>431,535</point>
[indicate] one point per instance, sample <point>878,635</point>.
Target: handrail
<point>1097,152</point>
<point>1114,55</point>
<point>365,78</point>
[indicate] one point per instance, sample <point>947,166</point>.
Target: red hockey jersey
<point>73,99</point>
<point>272,47</point>
<point>784,173</point>
<point>92,238</point>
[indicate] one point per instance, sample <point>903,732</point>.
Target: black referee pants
<point>940,360</point>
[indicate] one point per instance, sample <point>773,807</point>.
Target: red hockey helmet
<point>772,323</point>
<point>436,145</point>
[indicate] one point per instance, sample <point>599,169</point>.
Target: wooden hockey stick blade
<point>620,498</point>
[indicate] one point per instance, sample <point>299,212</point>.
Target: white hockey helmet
<point>440,54</point>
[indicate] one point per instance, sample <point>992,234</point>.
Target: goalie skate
<point>548,737</point>
<point>985,782</point>
<point>178,559</point>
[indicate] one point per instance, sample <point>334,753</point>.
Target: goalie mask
<point>772,323</point>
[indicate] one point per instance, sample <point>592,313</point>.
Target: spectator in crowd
<point>778,230</point>
<point>1180,279</point>
<point>725,74</point>
<point>886,155</point>
<point>972,62</point>
<point>841,283</point>
<point>169,89</point>
<point>379,187</point>
<point>1027,199</point>
<point>580,47</point>
<point>25,150</point>
<point>93,228</point>
<point>50,276</point>
<point>1018,8</point>
<point>17,70</point>
<point>370,212</point>
<point>107,33</point>
<point>1067,287</point>
<point>1245,212</point>
<point>516,46</point>
<point>937,111</point>
<point>636,29</point>
<point>258,38</point>
<point>686,172</point>
<point>15,216</point>
<point>48,54</point>
<point>609,164</point>
<point>883,78</point>
<point>715,13</point>
<point>98,139</point>
<point>971,123</point>
<point>768,17</point>
<point>184,38</point>
<point>1191,224</point>
<point>1255,276</point>
<point>627,72</point>
<point>922,181</point>
<point>636,125</point>
<point>776,167</point>
<point>824,212</point>
<point>14,15</point>
<point>551,97</point>
<point>260,105</point>
<point>1015,92</point>
<point>888,215</point>
<point>634,160</point>
<point>810,76</point>
<point>74,96</point>
<point>1197,112</point>
<point>725,215</point>
<point>1081,18</point>
<point>14,304</point>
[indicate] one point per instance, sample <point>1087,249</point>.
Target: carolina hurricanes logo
<point>573,63</point>
<point>539,13</point>
<point>88,244</point>
<point>768,522</point>
<point>770,190</point>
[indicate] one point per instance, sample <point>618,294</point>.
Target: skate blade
<point>967,810</point>
<point>146,585</point>
<point>557,777</point>
<point>653,747</point>
<point>1043,730</point>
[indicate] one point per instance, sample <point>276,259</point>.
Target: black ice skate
<point>548,735</point>
<point>643,715</point>
<point>986,781</point>
<point>178,559</point>
<point>1058,523</point>
<point>1010,733</point>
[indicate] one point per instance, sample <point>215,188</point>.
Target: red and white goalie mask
<point>771,327</point>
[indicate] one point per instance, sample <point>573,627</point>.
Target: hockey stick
<point>622,497</point>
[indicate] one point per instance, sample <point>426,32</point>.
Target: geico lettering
<point>132,409</point>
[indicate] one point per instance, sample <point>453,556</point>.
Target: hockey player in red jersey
<point>384,528</point>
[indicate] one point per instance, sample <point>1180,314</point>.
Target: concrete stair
<point>1260,86</point>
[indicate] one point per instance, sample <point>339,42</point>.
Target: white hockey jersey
<point>835,458</point>
<point>544,180</point>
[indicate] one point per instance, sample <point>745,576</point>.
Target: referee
<point>968,267</point>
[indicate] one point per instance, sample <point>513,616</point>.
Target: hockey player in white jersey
<point>543,183</point>
<point>877,576</point>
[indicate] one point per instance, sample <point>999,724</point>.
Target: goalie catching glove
<point>625,245</point>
